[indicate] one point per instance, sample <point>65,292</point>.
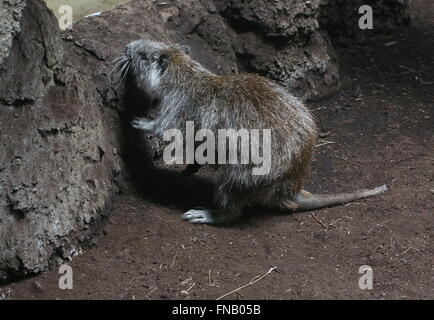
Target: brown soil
<point>381,123</point>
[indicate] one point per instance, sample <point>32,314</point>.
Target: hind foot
<point>199,216</point>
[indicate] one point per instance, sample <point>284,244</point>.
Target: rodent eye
<point>143,56</point>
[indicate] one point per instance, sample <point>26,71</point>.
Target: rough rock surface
<point>33,59</point>
<point>57,162</point>
<point>10,16</point>
<point>63,128</point>
<point>283,40</point>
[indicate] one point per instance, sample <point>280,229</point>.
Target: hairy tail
<point>307,201</point>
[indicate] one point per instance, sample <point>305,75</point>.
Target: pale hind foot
<point>208,216</point>
<point>200,216</point>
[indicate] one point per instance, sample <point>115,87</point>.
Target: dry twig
<point>319,221</point>
<point>253,281</point>
<point>323,143</point>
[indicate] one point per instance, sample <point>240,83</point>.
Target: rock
<point>36,53</point>
<point>10,17</point>
<point>278,39</point>
<point>324,133</point>
<point>57,178</point>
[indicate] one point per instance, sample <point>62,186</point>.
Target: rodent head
<point>146,61</point>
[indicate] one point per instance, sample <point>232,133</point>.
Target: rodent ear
<point>186,49</point>
<point>164,61</point>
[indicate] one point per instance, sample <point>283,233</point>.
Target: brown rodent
<point>189,92</point>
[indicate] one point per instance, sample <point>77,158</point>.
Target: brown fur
<point>189,92</point>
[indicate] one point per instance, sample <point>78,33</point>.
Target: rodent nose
<point>127,52</point>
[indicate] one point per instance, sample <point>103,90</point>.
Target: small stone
<point>37,285</point>
<point>324,133</point>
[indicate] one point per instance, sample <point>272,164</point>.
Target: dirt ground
<point>381,124</point>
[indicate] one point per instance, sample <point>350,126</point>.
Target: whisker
<point>118,59</point>
<point>121,66</point>
<point>125,67</point>
<point>125,73</point>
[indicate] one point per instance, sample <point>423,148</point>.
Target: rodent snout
<point>127,52</point>
<point>129,49</point>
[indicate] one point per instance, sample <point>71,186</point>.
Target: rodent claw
<point>142,124</point>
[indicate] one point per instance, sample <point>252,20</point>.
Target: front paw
<point>143,124</point>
